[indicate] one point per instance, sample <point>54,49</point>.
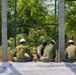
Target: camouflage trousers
<point>16,59</point>
<point>44,59</point>
<point>69,60</point>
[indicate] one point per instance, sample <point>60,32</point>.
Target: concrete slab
<point>37,68</point>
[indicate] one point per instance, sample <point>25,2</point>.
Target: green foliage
<point>34,39</point>
<point>70,20</point>
<point>10,44</point>
<point>38,12</point>
<point>32,11</point>
<point>0,48</point>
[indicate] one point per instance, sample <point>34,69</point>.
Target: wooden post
<point>4,30</point>
<point>61,29</point>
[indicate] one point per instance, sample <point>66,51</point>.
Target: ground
<point>37,68</point>
<point>9,57</point>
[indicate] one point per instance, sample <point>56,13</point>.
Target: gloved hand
<point>26,55</point>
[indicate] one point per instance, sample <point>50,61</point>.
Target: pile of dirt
<point>9,57</point>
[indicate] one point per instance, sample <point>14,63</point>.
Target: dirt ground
<point>9,57</point>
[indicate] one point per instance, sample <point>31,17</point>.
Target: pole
<point>14,24</point>
<point>55,11</point>
<point>55,37</point>
<point>4,30</point>
<point>61,29</point>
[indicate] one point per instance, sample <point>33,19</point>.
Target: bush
<point>34,39</point>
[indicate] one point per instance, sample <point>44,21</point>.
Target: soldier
<point>49,52</point>
<point>21,53</point>
<point>41,48</point>
<point>70,52</point>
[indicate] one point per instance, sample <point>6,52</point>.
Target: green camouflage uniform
<point>19,54</point>
<point>40,51</point>
<point>49,53</point>
<point>70,53</point>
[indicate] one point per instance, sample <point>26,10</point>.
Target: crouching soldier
<point>41,48</point>
<point>49,52</point>
<point>21,54</point>
<point>70,52</point>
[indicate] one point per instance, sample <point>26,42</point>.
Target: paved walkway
<point>37,68</point>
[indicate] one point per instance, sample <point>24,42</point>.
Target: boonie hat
<point>22,40</point>
<point>53,42</point>
<point>70,41</point>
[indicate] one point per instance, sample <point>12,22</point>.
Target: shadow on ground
<point>11,69</point>
<point>71,66</point>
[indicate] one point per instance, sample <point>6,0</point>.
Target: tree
<point>32,11</point>
<point>70,20</point>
